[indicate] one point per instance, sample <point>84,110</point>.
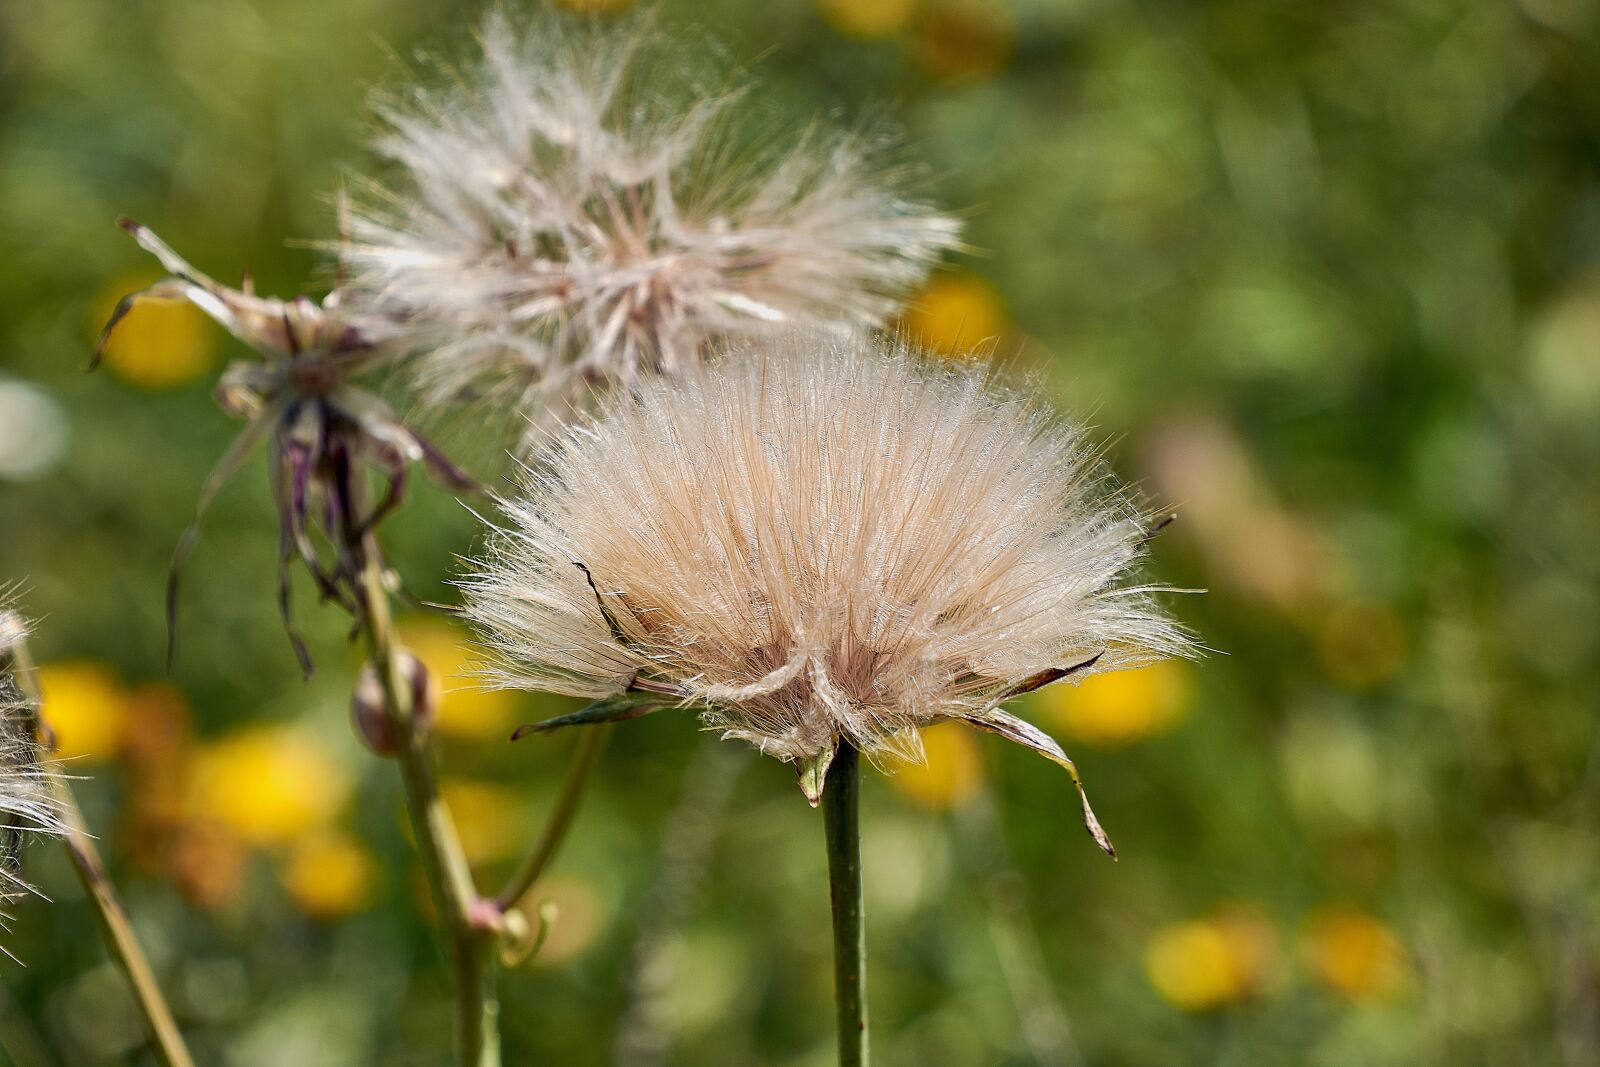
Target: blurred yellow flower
<point>85,707</point>
<point>489,817</point>
<point>954,312</point>
<point>329,874</point>
<point>1204,964</point>
<point>1354,955</point>
<point>160,345</point>
<point>466,711</point>
<point>965,40</point>
<point>1360,644</point>
<point>268,784</point>
<point>867,18</point>
<point>1123,706</point>
<point>953,773</point>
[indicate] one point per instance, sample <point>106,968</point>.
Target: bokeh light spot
<point>268,784</point>
<point>85,708</point>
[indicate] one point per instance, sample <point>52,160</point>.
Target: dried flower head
<point>565,214</point>
<point>28,807</point>
<point>323,429</point>
<point>819,539</point>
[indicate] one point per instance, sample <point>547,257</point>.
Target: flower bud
<point>370,716</point>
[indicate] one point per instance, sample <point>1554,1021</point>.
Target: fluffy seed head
<point>819,538</point>
<point>27,802</point>
<point>563,214</point>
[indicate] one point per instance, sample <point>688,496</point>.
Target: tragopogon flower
<point>564,215</point>
<point>28,806</point>
<point>819,539</point>
<point>322,427</point>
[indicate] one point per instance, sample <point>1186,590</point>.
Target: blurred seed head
<point>567,213</point>
<point>28,807</point>
<point>820,538</point>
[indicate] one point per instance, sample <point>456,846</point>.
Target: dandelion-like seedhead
<point>819,539</point>
<point>323,429</point>
<point>561,217</point>
<point>28,807</point>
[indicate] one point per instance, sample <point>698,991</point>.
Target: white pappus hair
<point>820,538</point>
<point>561,216</point>
<point>28,806</point>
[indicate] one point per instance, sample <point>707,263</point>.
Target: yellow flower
<point>85,707</point>
<point>160,345</point>
<point>269,784</point>
<point>1355,955</point>
<point>489,817</point>
<point>954,312</point>
<point>1123,706</point>
<point>329,874</point>
<point>952,774</point>
<point>1205,964</point>
<point>466,710</point>
<point>867,18</point>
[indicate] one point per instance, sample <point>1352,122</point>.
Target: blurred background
<point>1327,276</point>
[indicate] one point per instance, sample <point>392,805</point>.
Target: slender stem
<point>555,831</point>
<point>449,876</point>
<point>117,929</point>
<point>841,819</point>
<point>115,926</point>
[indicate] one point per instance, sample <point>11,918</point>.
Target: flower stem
<point>449,876</point>
<point>116,927</point>
<point>841,819</point>
<point>590,742</point>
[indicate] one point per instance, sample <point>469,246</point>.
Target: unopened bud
<point>369,713</point>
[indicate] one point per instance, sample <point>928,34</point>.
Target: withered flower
<point>572,211</point>
<point>819,540</point>
<point>324,431</point>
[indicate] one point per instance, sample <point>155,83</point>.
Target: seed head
<point>28,807</point>
<point>564,215</point>
<point>302,396</point>
<point>819,538</point>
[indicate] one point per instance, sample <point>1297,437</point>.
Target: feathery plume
<point>564,215</point>
<point>28,806</point>
<point>819,539</point>
<point>322,428</point>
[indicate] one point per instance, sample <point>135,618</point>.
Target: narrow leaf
<point>1025,733</point>
<point>617,708</point>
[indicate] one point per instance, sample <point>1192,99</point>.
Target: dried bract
<point>323,430</point>
<point>565,215</point>
<point>819,539</point>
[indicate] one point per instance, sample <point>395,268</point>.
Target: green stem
<point>166,1040</point>
<point>555,831</point>
<point>841,819</point>
<point>449,876</point>
<point>117,929</point>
